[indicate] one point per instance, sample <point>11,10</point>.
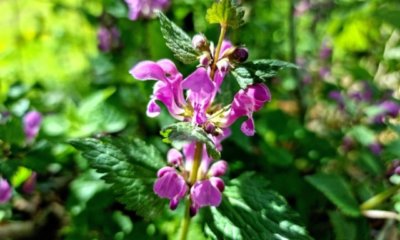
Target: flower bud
<point>199,42</point>
<point>218,183</point>
<point>30,184</point>
<point>205,59</point>
<point>174,157</point>
<point>218,169</point>
<point>223,66</point>
<point>240,54</point>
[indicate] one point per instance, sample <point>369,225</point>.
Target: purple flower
<point>108,38</point>
<point>30,184</point>
<point>145,8</point>
<point>388,108</point>
<point>364,94</point>
<point>347,144</point>
<point>5,191</point>
<point>206,193</point>
<point>170,185</point>
<point>324,72</point>
<point>325,51</point>
<point>168,88</point>
<point>302,7</point>
<point>172,182</point>
<point>32,121</point>
<point>375,148</point>
<point>245,103</point>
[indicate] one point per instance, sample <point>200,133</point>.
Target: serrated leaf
<point>250,211</point>
<point>177,40</point>
<point>336,189</point>
<point>226,14</point>
<point>259,71</point>
<point>130,166</point>
<point>184,132</point>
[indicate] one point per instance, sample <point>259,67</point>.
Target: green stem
<point>379,198</point>
<point>186,221</point>
<point>192,179</point>
<point>217,50</point>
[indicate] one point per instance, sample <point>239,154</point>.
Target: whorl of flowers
<point>192,99</point>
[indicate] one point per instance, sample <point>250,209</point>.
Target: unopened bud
<point>205,59</point>
<point>199,42</point>
<point>223,65</point>
<point>240,54</point>
<point>218,169</point>
<point>218,183</point>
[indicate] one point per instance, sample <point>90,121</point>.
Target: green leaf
<point>226,14</point>
<point>184,132</point>
<point>250,211</point>
<point>130,166</point>
<point>12,131</point>
<point>259,71</point>
<point>344,228</point>
<point>363,135</point>
<point>177,40</point>
<point>336,189</point>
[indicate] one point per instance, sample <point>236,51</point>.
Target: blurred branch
<point>380,214</point>
<point>293,56</point>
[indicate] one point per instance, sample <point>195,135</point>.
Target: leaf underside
<point>259,71</point>
<point>225,13</point>
<point>177,40</point>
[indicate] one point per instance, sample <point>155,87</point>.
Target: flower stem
<point>192,179</point>
<point>217,50</point>
<point>186,221</point>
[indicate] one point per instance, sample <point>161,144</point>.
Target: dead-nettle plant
<point>245,208</point>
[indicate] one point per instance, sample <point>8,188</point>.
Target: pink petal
<point>170,185</point>
<point>247,127</point>
<point>148,70</point>
<point>205,194</point>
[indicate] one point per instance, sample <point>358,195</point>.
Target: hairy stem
<point>217,50</point>
<point>192,179</point>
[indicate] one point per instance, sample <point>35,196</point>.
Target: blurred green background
<point>326,155</point>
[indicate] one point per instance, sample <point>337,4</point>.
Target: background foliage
<point>325,155</point>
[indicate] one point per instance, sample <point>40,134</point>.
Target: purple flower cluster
<point>145,8</point>
<point>192,99</point>
<point>5,191</point>
<point>172,182</point>
<point>201,91</point>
